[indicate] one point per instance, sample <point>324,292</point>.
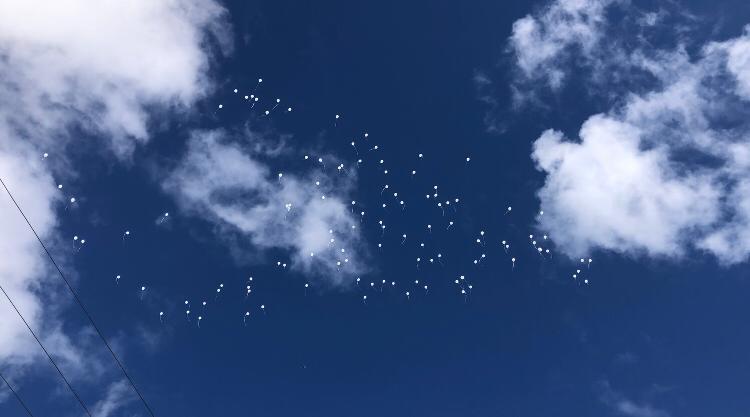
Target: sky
<point>432,209</point>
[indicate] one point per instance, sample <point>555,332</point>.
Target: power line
<point>18,397</point>
<point>78,300</point>
<point>80,401</point>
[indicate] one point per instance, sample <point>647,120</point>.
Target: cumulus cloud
<point>606,192</point>
<point>738,60</point>
<point>663,170</point>
<point>22,266</point>
<point>101,66</point>
<point>233,186</point>
<point>73,69</point>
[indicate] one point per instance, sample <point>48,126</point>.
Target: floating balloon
<point>163,218</point>
<point>71,202</point>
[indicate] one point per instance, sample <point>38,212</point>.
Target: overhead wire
<point>78,301</point>
<point>59,371</point>
<point>18,397</point>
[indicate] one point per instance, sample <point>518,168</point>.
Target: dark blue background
<point>528,342</point>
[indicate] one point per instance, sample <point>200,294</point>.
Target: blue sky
<point>616,130</point>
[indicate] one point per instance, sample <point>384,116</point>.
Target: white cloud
<point>626,407</point>
<point>117,396</point>
<point>22,266</point>
<point>664,169</point>
<point>234,187</point>
<point>100,65</point>
<point>606,192</point>
<point>70,69</point>
<point>542,42</point>
<point>738,60</point>
<point>607,45</point>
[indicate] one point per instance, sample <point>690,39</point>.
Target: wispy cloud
<point>485,93</point>
<point>117,396</point>
<point>624,406</point>
<point>305,211</point>
<point>602,43</point>
<point>543,43</point>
